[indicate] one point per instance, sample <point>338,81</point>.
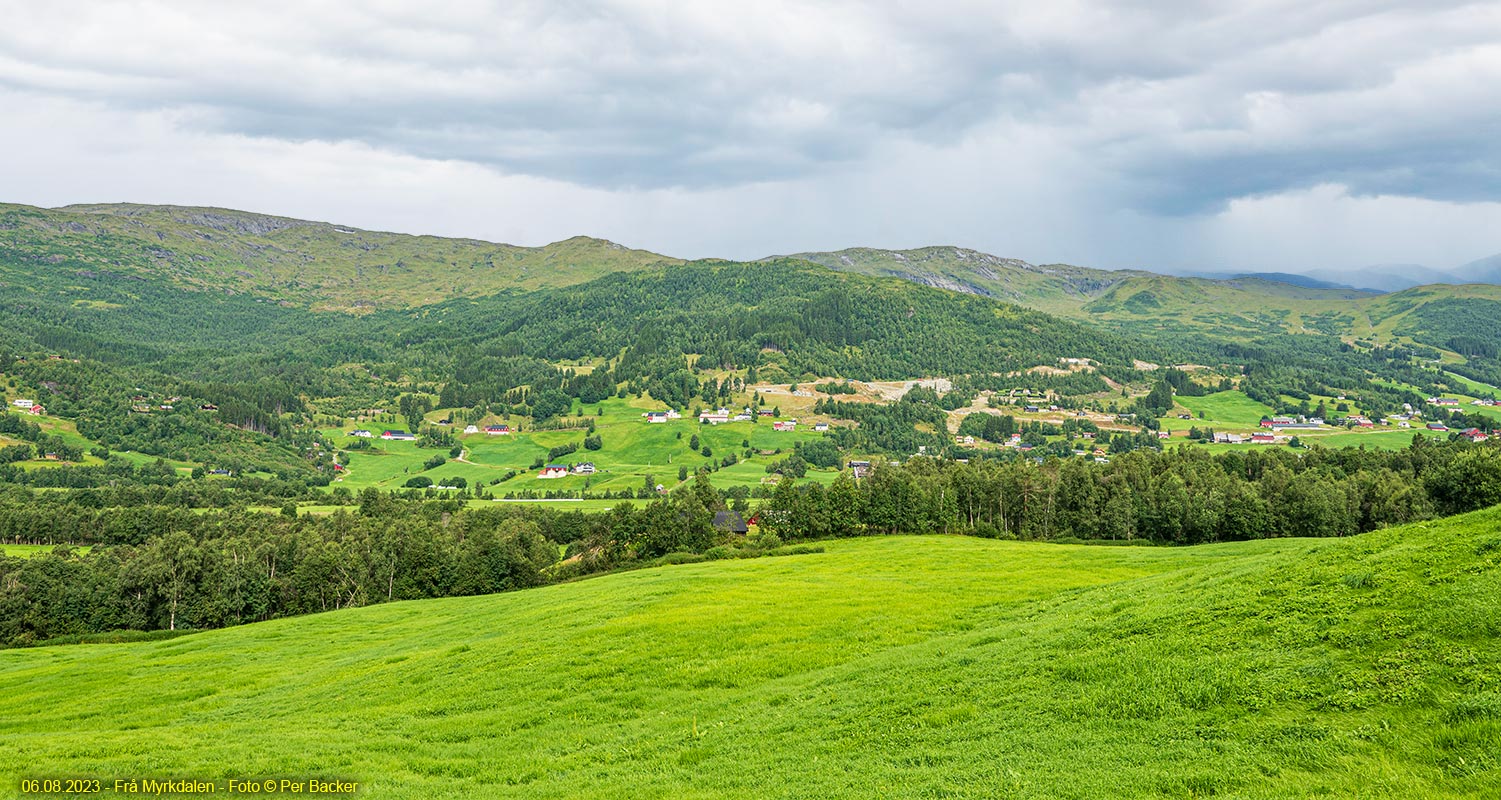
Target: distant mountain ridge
<point>316,264</point>
<point>1249,303</point>
<point>1484,270</point>
<point>330,267</point>
<point>1396,277</point>
<point>1291,278</point>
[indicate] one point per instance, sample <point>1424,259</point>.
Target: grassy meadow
<point>1227,411</point>
<point>632,449</point>
<point>29,550</point>
<point>67,430</point>
<point>885,667</point>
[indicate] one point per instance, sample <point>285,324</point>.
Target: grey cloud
<point>1161,99</point>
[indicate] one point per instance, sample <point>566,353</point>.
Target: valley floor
<point>884,667</point>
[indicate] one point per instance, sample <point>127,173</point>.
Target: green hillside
<point>1055,288</point>
<point>1246,304</point>
<point>901,666</point>
<point>1237,306</point>
<point>326,266</point>
<point>314,264</point>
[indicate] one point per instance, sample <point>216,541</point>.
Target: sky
<point>1221,135</point>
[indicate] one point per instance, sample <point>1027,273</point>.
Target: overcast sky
<point>1170,135</point>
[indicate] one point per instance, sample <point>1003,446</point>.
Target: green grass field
<point>632,449</point>
<point>321,509</point>
<point>29,550</point>
<point>1228,411</point>
<point>1382,439</point>
<point>1476,387</point>
<point>1377,440</point>
<point>68,431</point>
<point>885,667</point>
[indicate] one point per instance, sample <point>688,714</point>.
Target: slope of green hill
<point>1056,288</point>
<point>325,266</point>
<point>901,667</point>
<point>1232,306</point>
<point>315,264</point>
<point>1460,321</point>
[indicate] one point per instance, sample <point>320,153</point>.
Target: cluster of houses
<point>489,430</point>
<point>1248,438</point>
<point>564,470</point>
<point>407,436</point>
<point>1251,438</point>
<point>141,404</point>
<point>34,409</point>
<point>389,435</point>
<point>720,416</point>
<point>1290,423</point>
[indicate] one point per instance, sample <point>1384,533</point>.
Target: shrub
<point>681,558</point>
<point>764,540</point>
<point>796,550</point>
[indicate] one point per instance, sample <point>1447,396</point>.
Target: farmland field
<point>28,550</point>
<point>1378,439</point>
<point>632,450</point>
<point>1479,389</point>
<point>67,430</point>
<point>1230,410</point>
<point>1386,440</point>
<point>901,666</point>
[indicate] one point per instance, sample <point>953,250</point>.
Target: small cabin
<point>730,522</point>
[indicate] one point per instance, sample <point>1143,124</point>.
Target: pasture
<point>632,449</point>
<point>1223,411</point>
<point>67,430</point>
<point>896,667</point>
<point>1382,439</point>
<point>29,550</point>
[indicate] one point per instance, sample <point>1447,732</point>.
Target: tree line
<point>158,567</point>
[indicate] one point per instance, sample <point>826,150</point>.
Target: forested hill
<point>671,331</point>
<point>107,280</point>
<point>787,313</point>
<point>313,264</point>
<point>330,267</point>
